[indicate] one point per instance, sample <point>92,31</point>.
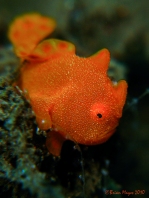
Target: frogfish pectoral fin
<point>54,142</point>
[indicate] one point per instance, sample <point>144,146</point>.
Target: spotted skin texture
<point>71,95</point>
<point>27,30</point>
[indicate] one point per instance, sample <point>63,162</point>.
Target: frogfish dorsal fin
<point>51,48</point>
<point>101,59</point>
<point>27,30</point>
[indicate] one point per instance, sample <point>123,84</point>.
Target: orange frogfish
<point>71,95</point>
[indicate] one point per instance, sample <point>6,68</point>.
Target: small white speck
<point>43,121</point>
<point>114,82</point>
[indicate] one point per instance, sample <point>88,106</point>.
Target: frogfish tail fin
<point>27,31</point>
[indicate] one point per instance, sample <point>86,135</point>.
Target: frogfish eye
<point>99,115</point>
<point>98,111</point>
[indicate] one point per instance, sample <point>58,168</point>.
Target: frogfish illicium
<point>71,95</point>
